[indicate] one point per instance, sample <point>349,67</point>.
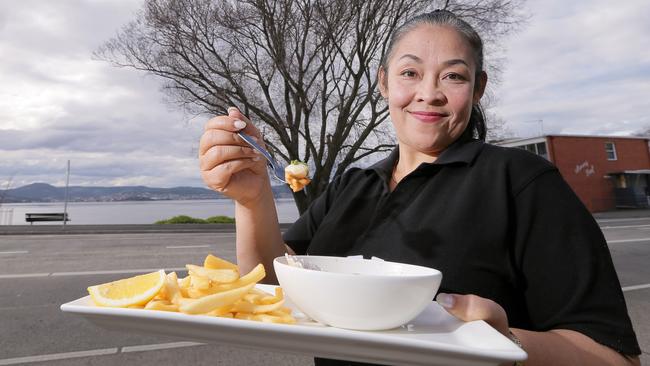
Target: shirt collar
<point>384,168</point>
<point>463,152</point>
<point>460,152</point>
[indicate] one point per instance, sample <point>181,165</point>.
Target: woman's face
<point>429,86</point>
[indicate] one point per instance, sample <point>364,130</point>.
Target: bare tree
<point>642,132</point>
<point>303,70</point>
<point>498,129</point>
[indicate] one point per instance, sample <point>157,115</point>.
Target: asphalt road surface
<point>40,272</point>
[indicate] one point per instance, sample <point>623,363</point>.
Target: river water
<point>133,212</point>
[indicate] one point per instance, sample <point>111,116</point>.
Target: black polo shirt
<point>498,222</point>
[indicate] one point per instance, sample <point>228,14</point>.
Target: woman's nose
<point>430,93</point>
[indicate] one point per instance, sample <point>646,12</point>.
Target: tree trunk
<point>301,200</point>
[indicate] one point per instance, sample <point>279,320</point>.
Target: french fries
<point>217,289</point>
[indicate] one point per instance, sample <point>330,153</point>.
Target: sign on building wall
<point>585,168</point>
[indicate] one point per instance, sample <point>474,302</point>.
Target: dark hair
<point>476,126</point>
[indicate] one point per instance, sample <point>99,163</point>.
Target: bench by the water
<point>51,216</point>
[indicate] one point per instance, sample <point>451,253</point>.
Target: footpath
<point>631,213</point>
<point>50,229</point>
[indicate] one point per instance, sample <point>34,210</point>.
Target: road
<point>40,272</point>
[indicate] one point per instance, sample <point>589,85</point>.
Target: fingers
<point>235,113</point>
<point>471,307</point>
<point>223,154</point>
<point>214,137</point>
<point>220,154</point>
<point>222,130</point>
<point>233,122</point>
<point>226,123</point>
<point>219,177</point>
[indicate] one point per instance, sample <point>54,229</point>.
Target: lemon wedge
<point>131,291</point>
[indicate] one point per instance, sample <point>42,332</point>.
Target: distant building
<point>606,172</point>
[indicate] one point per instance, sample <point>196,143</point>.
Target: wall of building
<point>584,165</point>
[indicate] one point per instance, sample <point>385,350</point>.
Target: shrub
<point>220,220</point>
<point>184,219</point>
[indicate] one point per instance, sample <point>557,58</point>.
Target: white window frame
<point>613,151</point>
<point>545,155</point>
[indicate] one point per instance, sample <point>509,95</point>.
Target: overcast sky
<point>581,67</point>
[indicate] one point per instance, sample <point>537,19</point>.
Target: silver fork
<point>275,167</point>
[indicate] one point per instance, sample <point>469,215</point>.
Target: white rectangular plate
<point>433,338</point>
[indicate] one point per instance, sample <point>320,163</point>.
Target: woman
<point>516,246</point>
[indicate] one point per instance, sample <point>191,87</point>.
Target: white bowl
<point>357,293</point>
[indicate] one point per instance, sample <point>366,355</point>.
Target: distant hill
<point>42,192</point>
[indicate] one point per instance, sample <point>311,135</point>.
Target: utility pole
<point>2,196</point>
<point>65,203</point>
<point>6,215</point>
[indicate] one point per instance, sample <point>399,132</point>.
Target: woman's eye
<point>455,77</point>
<point>408,73</point>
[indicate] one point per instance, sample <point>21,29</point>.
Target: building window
<point>541,150</point>
<point>610,150</point>
<point>538,148</point>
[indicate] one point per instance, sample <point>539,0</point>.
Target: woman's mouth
<point>428,117</point>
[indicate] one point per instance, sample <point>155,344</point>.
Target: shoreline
<point>134,213</point>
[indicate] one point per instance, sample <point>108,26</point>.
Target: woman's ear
<point>479,87</point>
<point>383,88</point>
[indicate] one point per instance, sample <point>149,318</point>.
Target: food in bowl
<point>357,293</point>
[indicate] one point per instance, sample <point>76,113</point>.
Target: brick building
<point>606,172</point>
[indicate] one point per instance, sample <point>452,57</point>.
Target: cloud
<point>98,169</point>
<point>581,67</point>
<point>57,103</point>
